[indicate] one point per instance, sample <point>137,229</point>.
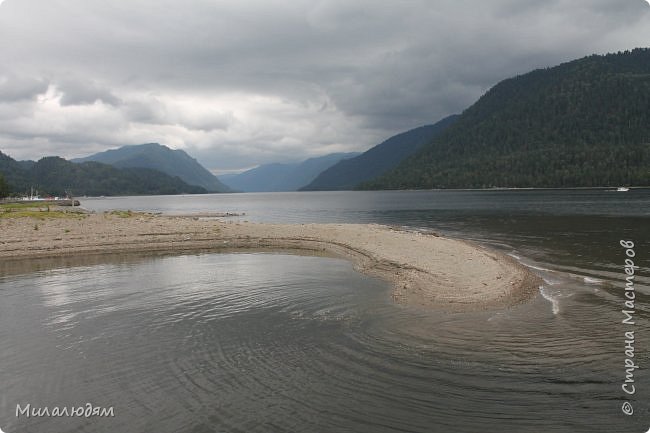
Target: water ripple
<point>259,342</point>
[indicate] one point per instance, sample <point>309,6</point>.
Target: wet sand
<point>426,270</point>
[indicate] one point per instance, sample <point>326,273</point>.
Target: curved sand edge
<point>425,270</point>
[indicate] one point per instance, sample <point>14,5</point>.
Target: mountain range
<point>348,173</point>
<point>584,123</point>
<point>56,176</point>
<point>158,157</point>
<point>283,176</point>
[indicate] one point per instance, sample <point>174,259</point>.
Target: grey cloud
<point>241,83</point>
<point>84,92</point>
<point>209,121</point>
<point>149,110</point>
<point>14,88</point>
<point>152,110</point>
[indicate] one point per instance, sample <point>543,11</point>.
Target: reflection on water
<point>270,342</point>
<point>263,342</point>
<point>365,206</point>
<point>574,231</point>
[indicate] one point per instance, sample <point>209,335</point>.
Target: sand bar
<point>426,270</point>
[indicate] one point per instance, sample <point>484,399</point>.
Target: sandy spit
<point>426,270</point>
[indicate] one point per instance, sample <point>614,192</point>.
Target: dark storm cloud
<point>13,88</point>
<point>239,83</point>
<point>83,92</point>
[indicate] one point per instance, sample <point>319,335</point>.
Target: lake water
<point>276,343</point>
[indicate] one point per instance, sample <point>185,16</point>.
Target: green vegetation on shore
<point>580,124</point>
<point>22,205</point>
<point>39,210</point>
<point>122,213</point>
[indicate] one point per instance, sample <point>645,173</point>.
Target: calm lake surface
<point>276,343</point>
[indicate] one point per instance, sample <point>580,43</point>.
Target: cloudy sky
<point>238,83</point>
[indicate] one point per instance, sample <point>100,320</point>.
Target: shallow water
<point>574,231</point>
<point>301,344</point>
<point>271,342</point>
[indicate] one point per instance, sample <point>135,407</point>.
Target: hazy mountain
<point>349,173</point>
<point>158,157</point>
<point>55,176</point>
<point>582,123</point>
<point>283,176</point>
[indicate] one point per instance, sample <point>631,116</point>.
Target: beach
<point>300,318</point>
<point>425,269</point>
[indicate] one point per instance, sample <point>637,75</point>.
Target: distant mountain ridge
<point>349,173</point>
<point>158,157</point>
<point>283,176</point>
<point>56,176</point>
<point>580,124</point>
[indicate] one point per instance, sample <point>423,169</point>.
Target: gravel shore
<point>426,270</point>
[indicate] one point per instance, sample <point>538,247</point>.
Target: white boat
<point>622,189</point>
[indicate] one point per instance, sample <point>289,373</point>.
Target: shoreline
<point>425,270</point>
